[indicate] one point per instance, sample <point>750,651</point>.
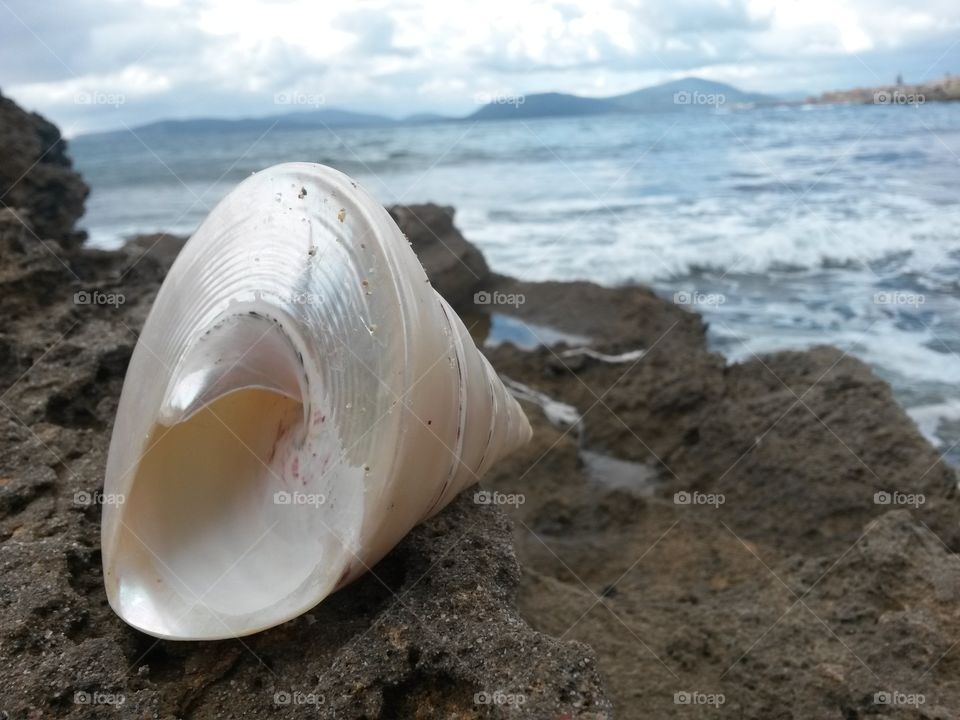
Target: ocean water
<point>785,227</point>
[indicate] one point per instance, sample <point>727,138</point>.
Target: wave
<point>655,241</point>
<point>930,418</point>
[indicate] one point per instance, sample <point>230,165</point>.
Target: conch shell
<point>299,399</point>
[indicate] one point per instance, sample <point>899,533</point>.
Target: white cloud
<point>229,57</point>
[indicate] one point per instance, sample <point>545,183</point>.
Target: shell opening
<point>239,511</point>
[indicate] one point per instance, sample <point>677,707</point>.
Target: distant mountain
<point>541,105</point>
<point>332,117</point>
<point>677,95</point>
<point>686,93</point>
<point>327,117</point>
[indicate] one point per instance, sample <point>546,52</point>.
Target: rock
<point>15,231</point>
<point>160,246</point>
<point>786,586</point>
<point>36,176</point>
<point>455,267</point>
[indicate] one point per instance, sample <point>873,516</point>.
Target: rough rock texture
<point>800,596</point>
<point>36,176</point>
<point>432,632</point>
<point>455,267</point>
<point>797,597</point>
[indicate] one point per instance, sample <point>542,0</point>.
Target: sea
<point>785,227</point>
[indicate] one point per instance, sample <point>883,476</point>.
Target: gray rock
<point>36,175</point>
<point>455,267</point>
<point>801,594</point>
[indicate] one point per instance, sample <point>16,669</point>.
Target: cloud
<point>230,57</point>
<point>373,33</point>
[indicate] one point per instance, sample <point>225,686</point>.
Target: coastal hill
<point>329,117</point>
<point>684,95</point>
<point>511,107</point>
<point>699,93</point>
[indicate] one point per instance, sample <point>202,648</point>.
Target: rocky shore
<point>682,538</point>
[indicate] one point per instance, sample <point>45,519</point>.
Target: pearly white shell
<point>300,398</point>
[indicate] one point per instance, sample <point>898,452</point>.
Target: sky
<point>103,64</point>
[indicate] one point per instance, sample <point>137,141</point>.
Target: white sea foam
<point>930,418</point>
<point>648,244</point>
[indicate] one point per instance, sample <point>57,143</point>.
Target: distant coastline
<point>690,94</point>
<point>946,89</point>
<point>309,110</point>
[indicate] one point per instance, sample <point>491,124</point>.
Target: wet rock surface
<point>796,557</point>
